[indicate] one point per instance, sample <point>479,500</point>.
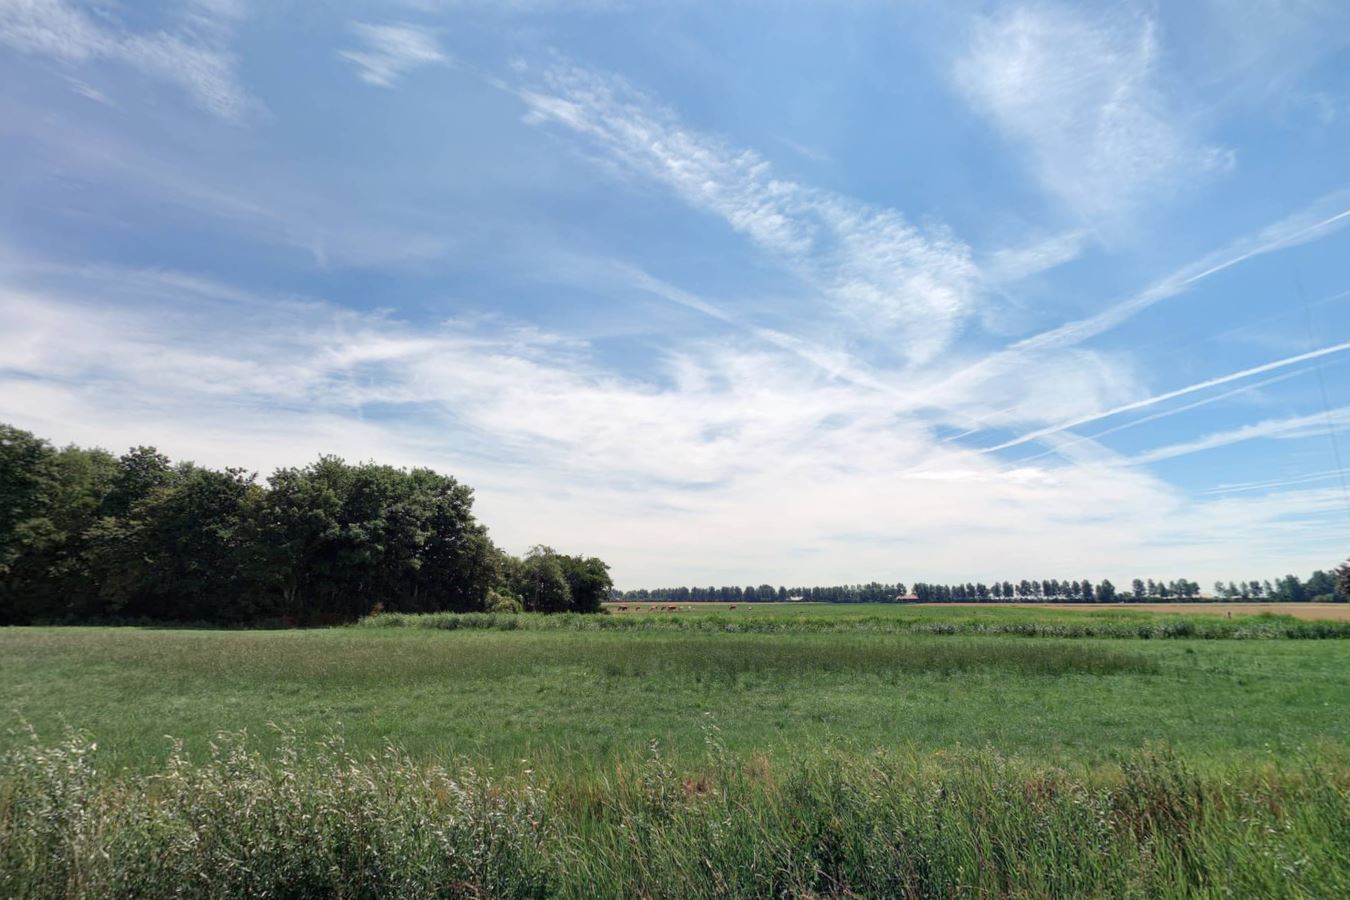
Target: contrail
<point>1075,332</point>
<point>1180,392</point>
<point>1172,412</point>
<point>1332,419</point>
<point>1285,233</point>
<point>1259,485</point>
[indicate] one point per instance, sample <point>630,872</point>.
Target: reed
<point>315,820</point>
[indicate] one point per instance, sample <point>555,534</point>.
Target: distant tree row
<point>1319,587</point>
<point>85,535</point>
<point>875,592</point>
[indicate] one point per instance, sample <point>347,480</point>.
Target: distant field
<point>583,699</point>
<point>1336,612</point>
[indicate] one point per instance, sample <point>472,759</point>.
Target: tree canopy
<point>85,535</point>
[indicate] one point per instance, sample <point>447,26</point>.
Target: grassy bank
<point>313,820</point>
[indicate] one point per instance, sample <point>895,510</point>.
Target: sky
<point>724,293</point>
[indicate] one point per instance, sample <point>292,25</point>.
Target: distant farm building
<point>906,598</point>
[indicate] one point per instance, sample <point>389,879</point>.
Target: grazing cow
<point>732,606</point>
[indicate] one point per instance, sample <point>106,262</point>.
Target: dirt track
<point>1336,611</point>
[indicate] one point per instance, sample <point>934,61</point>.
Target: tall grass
<point>318,821</point>
<point>1203,627</point>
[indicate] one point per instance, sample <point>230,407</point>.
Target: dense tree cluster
<point>85,535</point>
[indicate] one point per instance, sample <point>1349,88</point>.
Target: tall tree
<point>588,582</point>
<point>542,585</point>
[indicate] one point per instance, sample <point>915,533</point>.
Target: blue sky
<point>722,292</point>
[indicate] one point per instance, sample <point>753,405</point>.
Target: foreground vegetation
<point>319,821</point>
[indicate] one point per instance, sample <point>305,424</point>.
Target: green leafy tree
<point>140,471</point>
<point>86,536</point>
<point>27,532</point>
<point>588,582</point>
<point>196,539</point>
<point>1289,589</point>
<point>543,586</point>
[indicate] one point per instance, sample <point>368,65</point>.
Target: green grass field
<point>805,692</point>
<point>585,699</point>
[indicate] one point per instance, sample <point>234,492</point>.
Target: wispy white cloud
<point>834,362</point>
<point>1084,94</point>
<point>867,260</point>
<point>1291,428</point>
<point>514,7</point>
<point>260,209</point>
<point>880,278</point>
<point>1010,264</point>
<point>1256,52</point>
<point>89,92</point>
<point>654,472</point>
<point>62,30</point>
<point>392,51</point>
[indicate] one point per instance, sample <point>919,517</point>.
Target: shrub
<point>503,601</point>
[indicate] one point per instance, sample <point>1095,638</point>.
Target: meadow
<point>800,751</point>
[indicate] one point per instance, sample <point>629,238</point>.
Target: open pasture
<point>583,699</point>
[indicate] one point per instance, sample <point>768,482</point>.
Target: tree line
<point>89,536</point>
<point>1321,586</point>
<point>874,592</point>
